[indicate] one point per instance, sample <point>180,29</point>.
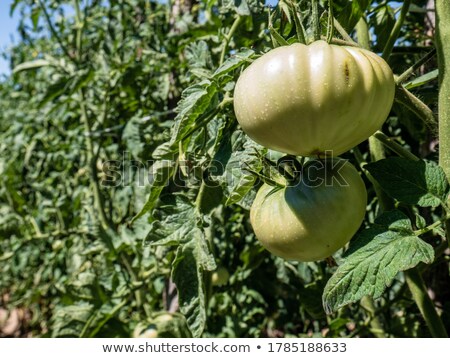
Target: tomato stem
<point>376,327</point>
<point>228,37</point>
<point>330,26</point>
<point>277,39</point>
<point>290,168</point>
<point>362,33</point>
<point>343,33</point>
<point>394,146</point>
<point>425,304</point>
<point>298,20</point>
<point>106,223</point>
<point>443,51</point>
<point>340,42</point>
<point>395,30</point>
<point>315,20</point>
<point>431,226</point>
<point>407,99</point>
<point>405,75</point>
<point>55,33</point>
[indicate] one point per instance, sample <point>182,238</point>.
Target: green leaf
<point>160,173</point>
<point>195,102</point>
<point>191,261</point>
<point>233,62</point>
<point>383,22</point>
<point>80,80</point>
<point>235,155</point>
<point>310,299</point>
<point>240,6</point>
<point>175,221</point>
<point>420,183</point>
<point>13,7</point>
<point>374,259</point>
<point>198,55</point>
<point>349,12</point>
<point>29,65</point>
<point>285,9</point>
<point>68,321</point>
<point>67,86</point>
<point>101,316</point>
<point>35,14</point>
<point>422,80</point>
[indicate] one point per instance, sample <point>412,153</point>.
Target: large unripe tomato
<point>314,218</point>
<point>308,99</point>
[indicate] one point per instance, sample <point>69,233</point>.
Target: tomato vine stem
<point>330,25</point>
<point>277,39</point>
<point>298,20</point>
<point>228,37</point>
<point>315,20</point>
<point>107,226</point>
<point>426,306</point>
<point>394,146</point>
<point>431,226</point>
<point>54,32</point>
<point>343,33</point>
<point>405,75</point>
<point>443,50</point>
<point>415,105</point>
<point>395,30</point>
<point>413,276</point>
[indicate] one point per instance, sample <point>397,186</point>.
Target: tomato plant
<point>310,99</point>
<point>311,220</point>
<point>127,183</point>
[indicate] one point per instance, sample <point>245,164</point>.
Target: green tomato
<point>311,220</point>
<point>220,276</point>
<point>309,99</point>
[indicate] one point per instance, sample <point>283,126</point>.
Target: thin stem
<point>340,42</point>
<point>343,33</point>
<point>330,27</point>
<point>431,226</point>
<point>276,37</point>
<point>394,146</point>
<point>79,25</point>
<point>377,152</point>
<point>443,50</point>
<point>362,31</point>
<point>395,30</point>
<point>315,19</point>
<point>375,324</point>
<point>301,32</point>
<point>413,276</point>
<point>425,304</point>
<point>207,118</point>
<point>228,37</point>
<point>407,99</point>
<point>91,158</point>
<point>405,75</point>
<point>59,233</point>
<point>269,25</point>
<point>53,30</point>
<point>375,147</point>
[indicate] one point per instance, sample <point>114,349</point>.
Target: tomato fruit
<point>220,276</point>
<point>309,99</point>
<point>311,220</point>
